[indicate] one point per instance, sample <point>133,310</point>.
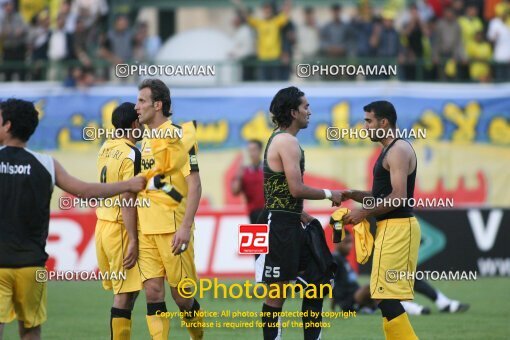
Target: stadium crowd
<point>448,40</point>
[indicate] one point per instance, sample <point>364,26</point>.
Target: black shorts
<point>288,254</point>
<point>254,215</point>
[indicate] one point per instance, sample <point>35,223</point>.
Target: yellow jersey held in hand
<point>167,157</point>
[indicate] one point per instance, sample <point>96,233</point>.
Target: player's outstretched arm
<point>83,189</point>
<point>356,195</point>
<point>290,155</point>
<point>398,159</point>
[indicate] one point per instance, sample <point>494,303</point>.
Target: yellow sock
<point>159,327</point>
<point>121,329</point>
<point>196,332</point>
<point>385,321</point>
<point>399,329</point>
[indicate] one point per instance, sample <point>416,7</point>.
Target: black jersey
<point>276,188</point>
<point>27,179</point>
<point>381,187</point>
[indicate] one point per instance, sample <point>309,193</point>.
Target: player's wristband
<point>327,193</point>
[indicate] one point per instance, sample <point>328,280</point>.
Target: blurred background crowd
<point>80,41</point>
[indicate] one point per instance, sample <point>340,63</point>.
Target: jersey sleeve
<point>131,165</point>
<point>193,158</point>
<point>252,21</point>
<point>281,19</point>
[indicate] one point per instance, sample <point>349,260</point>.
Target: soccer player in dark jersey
<point>397,237</point>
<point>284,191</point>
<point>27,179</point>
<point>249,181</point>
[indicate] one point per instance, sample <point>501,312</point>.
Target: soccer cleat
<point>455,307</point>
<point>412,308</point>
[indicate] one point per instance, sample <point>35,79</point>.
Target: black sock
<point>270,321</point>
<point>424,288</point>
<point>189,314</point>
<point>391,308</point>
<point>310,329</point>
<point>152,308</point>
<point>120,313</point>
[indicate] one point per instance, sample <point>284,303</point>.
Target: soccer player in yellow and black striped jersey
<point>116,228</point>
<point>165,228</point>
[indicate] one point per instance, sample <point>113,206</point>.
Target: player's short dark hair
<point>256,142</point>
<point>383,109</point>
<point>124,115</point>
<point>22,115</point>
<point>159,92</point>
<point>284,101</point>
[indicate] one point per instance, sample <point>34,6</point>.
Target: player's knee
<point>181,302</point>
<point>391,308</point>
<point>124,300</point>
<point>154,290</point>
<point>32,333</point>
<point>275,302</point>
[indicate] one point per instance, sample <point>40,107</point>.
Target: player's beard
<point>374,135</point>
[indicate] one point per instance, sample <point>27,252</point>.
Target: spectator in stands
<point>29,9</point>
<point>479,53</point>
<point>413,32</point>
<point>73,75</point>
<point>447,48</point>
<point>269,41</point>
<point>243,47</point>
<point>87,78</point>
<point>92,11</point>
<point>385,39</point>
<point>470,24</point>
<point>60,48</point>
<point>362,26</point>
<point>249,181</point>
<point>38,37</point>
<point>82,41</point>
<point>65,10</point>
<point>501,8</point>
<point>145,46</point>
<point>335,35</point>
<point>308,41</point>
<point>117,46</point>
<point>288,44</point>
<point>13,35</point>
<point>499,34</point>
<point>458,7</point>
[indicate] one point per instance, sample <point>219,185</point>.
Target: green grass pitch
<point>80,310</point>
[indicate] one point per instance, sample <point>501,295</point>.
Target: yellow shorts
<point>22,297</point>
<point>111,246</point>
<point>397,242</point>
<point>157,260</point>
